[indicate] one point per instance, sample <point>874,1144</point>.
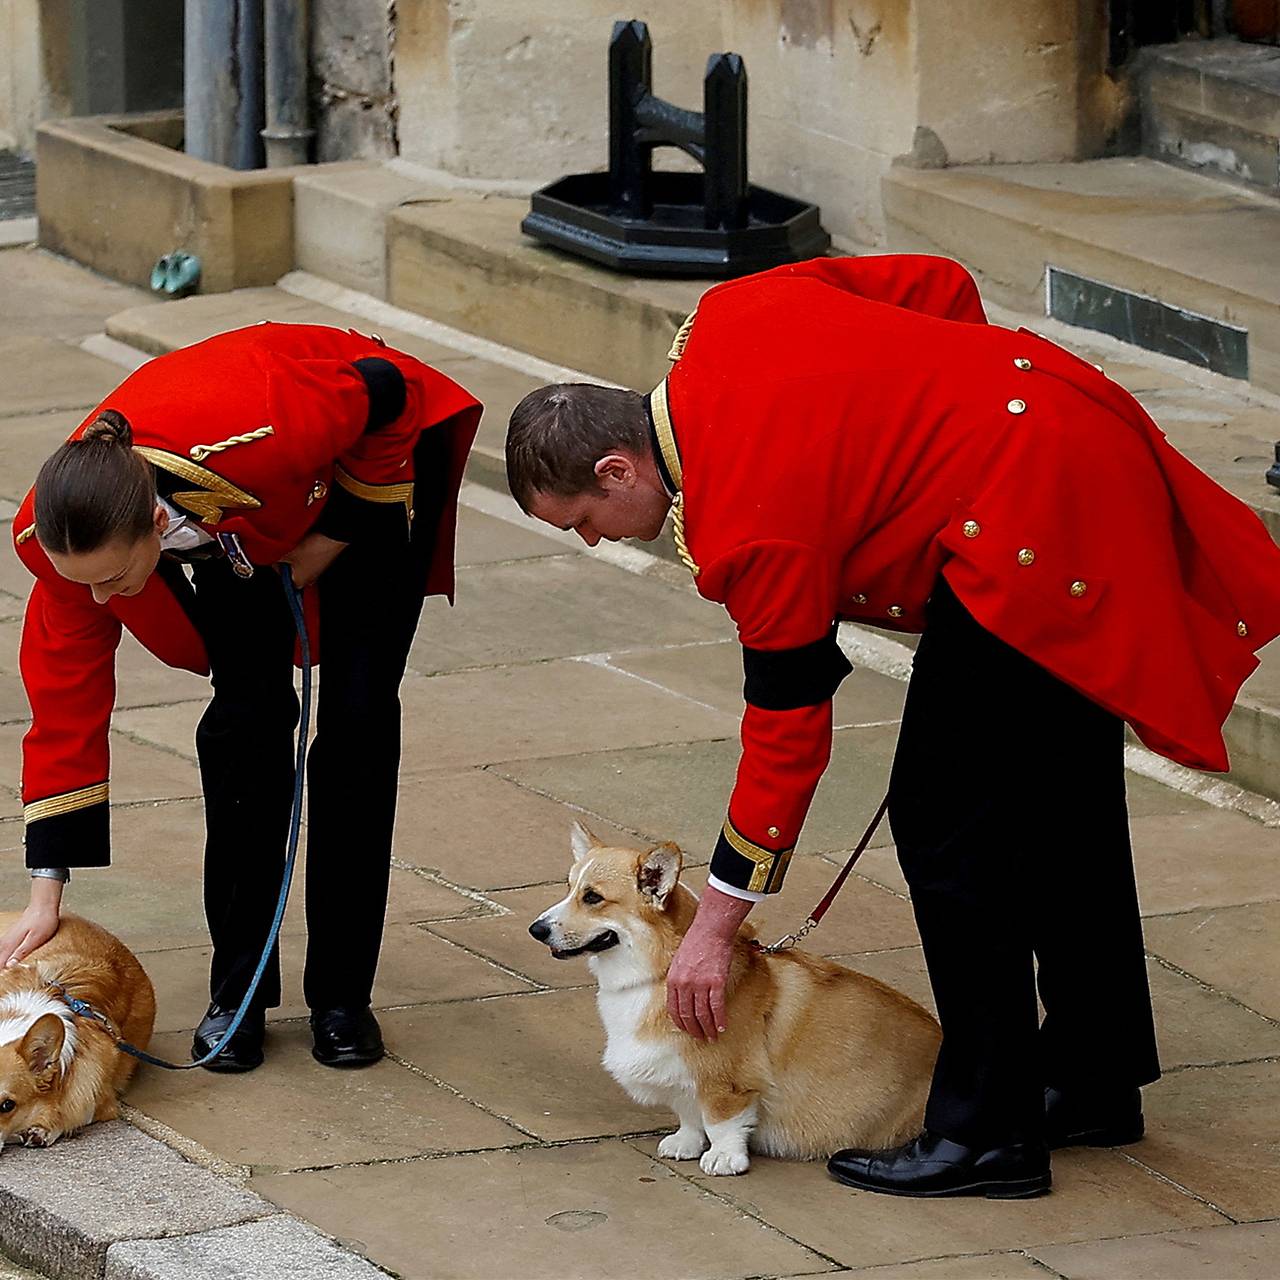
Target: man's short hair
<point>557,434</point>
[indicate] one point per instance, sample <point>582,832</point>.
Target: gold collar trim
<point>208,503</point>
<point>661,411</point>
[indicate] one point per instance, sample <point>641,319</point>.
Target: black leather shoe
<point>346,1037</point>
<point>242,1052</point>
<point>933,1166</point>
<point>1091,1119</point>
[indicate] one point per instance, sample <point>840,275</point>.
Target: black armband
<point>385,385</point>
<point>784,679</point>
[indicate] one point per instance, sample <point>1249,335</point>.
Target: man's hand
<point>37,924</point>
<point>700,971</point>
<point>311,557</point>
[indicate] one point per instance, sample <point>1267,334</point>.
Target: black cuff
<point>784,679</point>
<point>746,865</point>
<point>385,385</point>
<point>79,838</point>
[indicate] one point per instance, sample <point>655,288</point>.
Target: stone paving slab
<point>548,708</point>
<point>44,374</point>
<point>50,297</point>
<point>416,968</point>
<point>986,1266</point>
<point>561,1213</point>
<point>679,791</point>
<point>62,1208</point>
<point>477,829</point>
<point>277,1248</point>
<point>293,1113</point>
<point>1096,1194</point>
<point>26,441</point>
<point>532,1059</point>
<point>1236,950</point>
<point>1207,859</point>
<point>553,608</point>
<point>1245,1252</point>
<point>484,539</point>
<point>1216,1131</point>
<point>713,673</point>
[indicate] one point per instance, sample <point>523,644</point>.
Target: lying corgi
<point>814,1058</point>
<point>60,1072</point>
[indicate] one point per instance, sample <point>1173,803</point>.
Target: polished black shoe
<point>1076,1118</point>
<point>346,1037</point>
<point>242,1052</point>
<point>934,1166</point>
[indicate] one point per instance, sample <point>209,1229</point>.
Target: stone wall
<point>352,78</point>
<point>839,89</point>
<point>20,73</point>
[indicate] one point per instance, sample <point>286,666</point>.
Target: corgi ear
<point>41,1049</point>
<point>658,872</point>
<point>581,841</point>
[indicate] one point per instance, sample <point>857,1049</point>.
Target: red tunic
<point>844,430</point>
<point>314,425</point>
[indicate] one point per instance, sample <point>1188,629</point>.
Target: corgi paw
<point>682,1145</point>
<point>37,1137</point>
<point>721,1163</point>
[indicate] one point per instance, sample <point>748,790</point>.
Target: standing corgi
<point>58,1071</point>
<point>814,1058</point>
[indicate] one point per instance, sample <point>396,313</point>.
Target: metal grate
<point>17,187</point>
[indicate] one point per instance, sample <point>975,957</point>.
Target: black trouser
<point>370,603</point>
<point>1007,803</point>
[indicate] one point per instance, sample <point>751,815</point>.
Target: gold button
<point>1241,629</point>
<point>318,491</point>
<point>859,598</point>
<point>1078,588</point>
<point>1026,556</point>
<point>1022,363</point>
<point>774,833</point>
<point>972,528</point>
<point>412,513</point>
<point>1017,406</point>
<point>895,611</point>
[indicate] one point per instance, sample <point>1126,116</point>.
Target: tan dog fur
<point>59,1071</point>
<point>815,1057</point>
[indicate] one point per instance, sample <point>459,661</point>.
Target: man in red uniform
<point>300,443</point>
<point>849,439</point>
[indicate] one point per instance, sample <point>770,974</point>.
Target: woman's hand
<point>37,924</point>
<point>311,557</point>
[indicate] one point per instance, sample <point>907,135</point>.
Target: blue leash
<point>295,824</point>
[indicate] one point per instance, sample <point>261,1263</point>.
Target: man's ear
<point>581,841</point>
<point>41,1049</point>
<point>658,872</point>
<point>160,518</point>
<point>617,471</point>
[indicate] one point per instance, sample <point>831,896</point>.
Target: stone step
<point>414,238</point>
<point>1214,105</point>
<point>1169,260</point>
<point>1210,425</point>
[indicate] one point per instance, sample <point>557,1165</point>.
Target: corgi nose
<point>541,930</point>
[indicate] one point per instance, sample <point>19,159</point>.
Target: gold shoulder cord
<point>667,443</point>
<point>199,452</point>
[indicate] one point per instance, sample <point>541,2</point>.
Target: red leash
<point>815,916</point>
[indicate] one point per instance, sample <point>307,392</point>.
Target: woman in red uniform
<point>165,513</point>
<point>849,439</point>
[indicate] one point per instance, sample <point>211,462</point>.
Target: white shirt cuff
<point>714,882</point>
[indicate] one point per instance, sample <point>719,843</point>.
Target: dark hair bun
<point>111,428</point>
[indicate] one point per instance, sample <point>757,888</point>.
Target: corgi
<point>59,1071</point>
<point>814,1057</point>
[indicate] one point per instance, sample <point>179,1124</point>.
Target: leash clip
<point>234,552</point>
<point>789,940</point>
